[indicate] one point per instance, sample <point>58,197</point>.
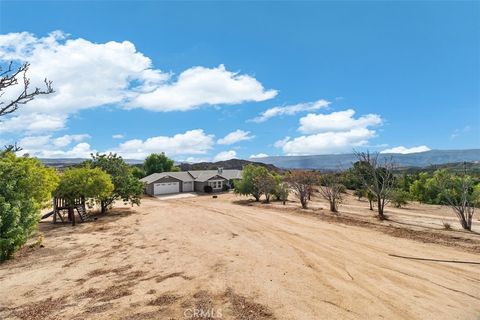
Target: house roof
<point>182,176</point>
<point>194,175</point>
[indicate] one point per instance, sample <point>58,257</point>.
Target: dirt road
<point>193,257</point>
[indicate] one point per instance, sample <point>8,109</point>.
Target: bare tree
<point>379,178</point>
<point>9,78</point>
<point>302,183</point>
<point>331,190</point>
<point>458,192</point>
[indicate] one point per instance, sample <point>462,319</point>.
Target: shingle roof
<point>194,175</point>
<point>182,176</point>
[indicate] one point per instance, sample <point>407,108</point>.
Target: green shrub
<point>399,198</point>
<point>26,186</point>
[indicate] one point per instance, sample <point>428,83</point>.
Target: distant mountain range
<point>345,161</point>
<point>320,162</point>
<point>228,164</point>
<point>70,162</point>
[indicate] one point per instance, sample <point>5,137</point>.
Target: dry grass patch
<point>45,309</point>
<point>164,299</point>
<point>246,309</point>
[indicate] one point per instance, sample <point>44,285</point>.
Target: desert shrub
<point>399,198</point>
<point>302,183</point>
<point>207,189</point>
<point>331,190</point>
<point>26,186</point>
<point>359,193</point>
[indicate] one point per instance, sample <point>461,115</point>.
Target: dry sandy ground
<point>232,259</point>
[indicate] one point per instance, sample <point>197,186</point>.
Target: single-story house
<point>189,181</point>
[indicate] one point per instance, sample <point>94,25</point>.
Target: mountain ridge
<point>345,161</point>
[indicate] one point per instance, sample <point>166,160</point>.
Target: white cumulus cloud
<point>192,142</point>
<point>259,155</point>
<point>405,150</point>
<point>291,110</point>
<point>88,75</point>
<point>336,132</point>
<point>235,136</point>
<point>47,146</point>
<point>337,121</point>
<point>225,155</point>
<point>199,86</point>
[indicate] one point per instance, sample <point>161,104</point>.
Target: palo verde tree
<point>84,183</point>
<point>26,186</point>
<point>331,190</point>
<point>302,183</point>
<point>378,178</point>
<point>158,162</point>
<point>126,186</point>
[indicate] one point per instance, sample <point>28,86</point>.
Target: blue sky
<point>193,78</point>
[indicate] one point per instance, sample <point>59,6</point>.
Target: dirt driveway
<point>199,257</point>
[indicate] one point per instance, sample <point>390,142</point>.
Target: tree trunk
<point>304,202</point>
<point>333,206</point>
<point>371,205</point>
<point>267,198</point>
<point>257,197</point>
<point>103,205</point>
<point>380,209</point>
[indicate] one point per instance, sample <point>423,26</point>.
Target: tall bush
<point>26,186</point>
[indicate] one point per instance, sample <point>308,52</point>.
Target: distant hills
<point>428,159</point>
<point>345,161</point>
<point>60,163</point>
<point>228,164</point>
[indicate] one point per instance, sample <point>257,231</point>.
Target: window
<point>216,184</point>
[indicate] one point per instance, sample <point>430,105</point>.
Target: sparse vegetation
<point>331,190</point>
<point>378,178</point>
<point>302,183</point>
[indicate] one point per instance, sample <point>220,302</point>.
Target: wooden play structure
<point>64,211</point>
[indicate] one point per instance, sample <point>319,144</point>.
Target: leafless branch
<point>10,78</point>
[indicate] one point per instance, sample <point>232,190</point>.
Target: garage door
<point>188,186</point>
<point>166,187</point>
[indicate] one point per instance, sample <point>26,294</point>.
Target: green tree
<point>399,198</point>
<point>84,183</point>
<point>426,188</point>
<point>138,172</point>
<point>158,162</point>
<point>26,186</point>
<point>246,185</point>
<point>264,182</point>
<point>460,193</point>
<point>127,187</point>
